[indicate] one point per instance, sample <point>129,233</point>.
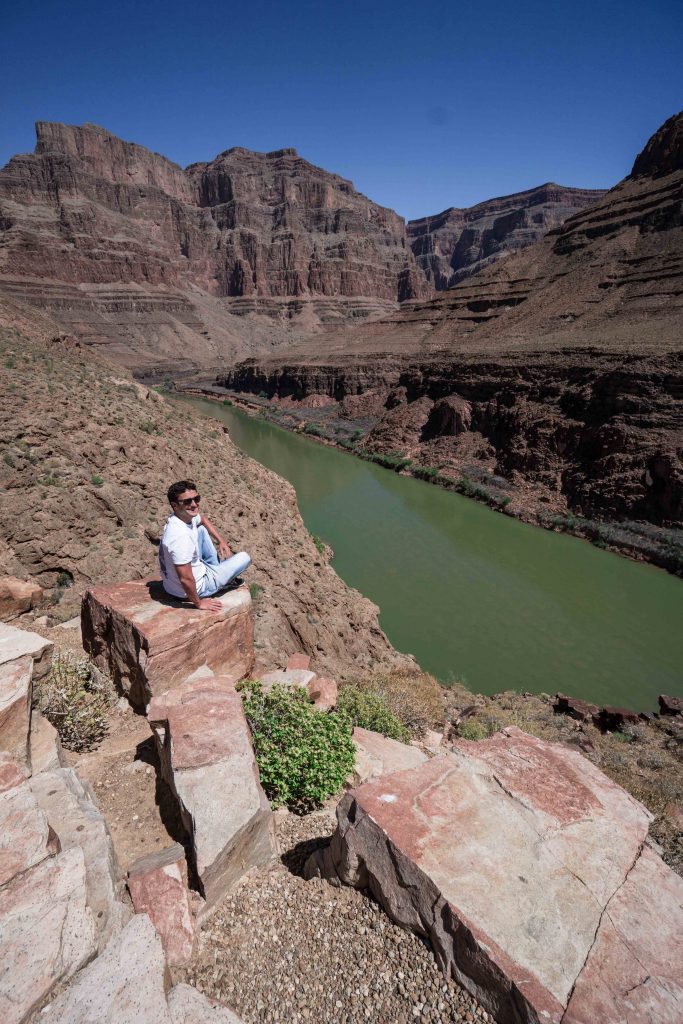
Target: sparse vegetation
<point>75,697</point>
<point>314,430</point>
<point>369,710</point>
<point>149,427</point>
<point>416,700</point>
<point>255,589</point>
<point>96,479</point>
<point>303,754</point>
<point>319,543</point>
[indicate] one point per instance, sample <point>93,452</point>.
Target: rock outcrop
<point>158,888</point>
<point>456,244</point>
<point>150,642</point>
<point>207,760</point>
<point>585,921</point>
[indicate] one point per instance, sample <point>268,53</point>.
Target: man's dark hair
<point>177,488</point>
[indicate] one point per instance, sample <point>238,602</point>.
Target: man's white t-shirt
<point>179,545</point>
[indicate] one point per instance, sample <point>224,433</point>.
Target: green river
<point>476,595</point>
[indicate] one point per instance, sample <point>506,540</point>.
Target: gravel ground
<point>281,949</point>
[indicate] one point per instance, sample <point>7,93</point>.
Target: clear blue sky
<point>423,105</point>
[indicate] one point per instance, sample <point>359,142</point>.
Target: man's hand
<point>223,550</point>
<point>209,604</point>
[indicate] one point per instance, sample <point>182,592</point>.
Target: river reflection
<point>475,594</point>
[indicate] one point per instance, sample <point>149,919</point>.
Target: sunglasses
<point>186,502</point>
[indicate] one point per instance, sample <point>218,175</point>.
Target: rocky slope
<point>567,356</point>
<point>162,265</point>
<point>87,455</point>
<point>458,243</point>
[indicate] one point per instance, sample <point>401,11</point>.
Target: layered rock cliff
<point>458,243</point>
<point>568,355</point>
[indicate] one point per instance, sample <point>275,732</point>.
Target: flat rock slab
<point>20,643</point>
<point>158,887</point>
<point>25,837</point>
<point>378,755</point>
<point>290,678</point>
<point>17,596</point>
<point>126,984</point>
<point>150,642</point>
<point>46,933</point>
<point>45,746</point>
<point>207,759</point>
<point>188,1006</point>
<point>71,809</point>
<point>16,689</point>
<point>505,854</point>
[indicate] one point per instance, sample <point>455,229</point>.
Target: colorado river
<point>476,595</point>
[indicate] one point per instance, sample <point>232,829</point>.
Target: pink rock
<point>46,933</point>
<point>16,597</point>
<point>150,642</point>
<point>25,836</point>
<point>158,887</point>
<point>323,692</point>
<point>44,745</point>
<point>207,759</point>
<point>634,971</point>
<point>504,853</point>
<point>298,661</point>
<point>16,688</point>
<point>378,755</point>
<point>17,644</point>
<point>575,708</point>
<point>289,678</point>
<point>12,773</point>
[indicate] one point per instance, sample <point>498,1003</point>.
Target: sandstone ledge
<point>150,642</point>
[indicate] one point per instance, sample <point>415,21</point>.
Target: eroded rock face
<point>44,744</point>
<point>25,836</point>
<point>555,841</point>
<point>378,755</point>
<point>158,887</point>
<point>150,643</point>
<point>46,933</point>
<point>455,244</point>
<point>207,759</point>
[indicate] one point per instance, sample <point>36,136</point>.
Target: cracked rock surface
<point>525,867</point>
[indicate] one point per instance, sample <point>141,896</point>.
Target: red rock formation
<point>457,243</point>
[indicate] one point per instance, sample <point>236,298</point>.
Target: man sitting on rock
<point>190,565</point>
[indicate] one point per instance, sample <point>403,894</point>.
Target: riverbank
<point>640,541</point>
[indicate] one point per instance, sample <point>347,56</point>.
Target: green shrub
<point>97,480</point>
<point>226,401</point>
<point>303,754</point>
<point>149,427</point>
<point>255,589</point>
<point>75,697</point>
<point>314,430</point>
<point>370,710</point>
<point>471,729</point>
<point>319,543</point>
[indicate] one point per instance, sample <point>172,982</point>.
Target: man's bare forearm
<point>213,532</point>
<point>187,580</point>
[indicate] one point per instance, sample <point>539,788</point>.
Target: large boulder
<point>46,933</point>
<point>71,809</point>
<point>509,855</point>
<point>158,887</point>
<point>207,759</point>
<point>17,596</point>
<point>150,642</point>
<point>16,690</point>
<point>16,644</point>
<point>126,984</point>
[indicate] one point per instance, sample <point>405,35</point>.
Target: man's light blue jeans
<point>218,574</point>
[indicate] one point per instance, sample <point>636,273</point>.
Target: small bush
<point>255,589</point>
<point>416,700</point>
<point>471,729</point>
<point>319,543</point>
<point>97,480</point>
<point>314,430</point>
<point>369,710</point>
<point>226,401</point>
<point>149,427</point>
<point>303,754</point>
<point>75,697</point>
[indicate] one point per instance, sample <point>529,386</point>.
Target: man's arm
<point>222,545</point>
<point>186,577</point>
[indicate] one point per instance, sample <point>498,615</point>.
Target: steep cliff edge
<point>87,456</point>
<point>458,243</point>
